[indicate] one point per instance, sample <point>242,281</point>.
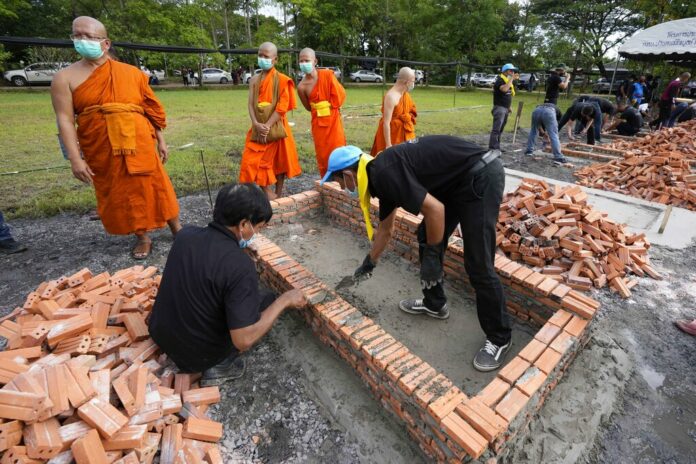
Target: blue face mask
<point>243,242</point>
<point>306,67</point>
<point>88,49</point>
<point>264,63</point>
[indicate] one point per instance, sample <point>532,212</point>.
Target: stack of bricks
<point>681,138</point>
<point>657,167</point>
<point>554,230</point>
<point>83,382</point>
<point>448,424</point>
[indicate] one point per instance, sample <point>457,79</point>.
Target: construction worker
<point>449,181</point>
<point>503,91</point>
<point>208,308</point>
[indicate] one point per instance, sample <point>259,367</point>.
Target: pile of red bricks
<point>553,229</point>
<point>447,424</point>
<point>681,139</point>
<point>85,383</point>
<point>657,167</point>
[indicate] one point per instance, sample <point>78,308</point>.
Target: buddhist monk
<point>268,160</point>
<point>398,122</point>
<point>119,129</point>
<point>322,95</point>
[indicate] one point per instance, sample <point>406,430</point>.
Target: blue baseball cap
<point>342,158</point>
<point>508,67</point>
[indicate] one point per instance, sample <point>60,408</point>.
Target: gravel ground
<point>271,415</point>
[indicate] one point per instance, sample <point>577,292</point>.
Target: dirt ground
<point>629,397</point>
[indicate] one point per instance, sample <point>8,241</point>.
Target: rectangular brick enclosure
<point>448,424</point>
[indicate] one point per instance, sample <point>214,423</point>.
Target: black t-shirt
<point>209,286</point>
<point>403,174</point>
<point>576,111</point>
<point>632,116</point>
<point>501,98</point>
<point>552,89</point>
<point>605,105</point>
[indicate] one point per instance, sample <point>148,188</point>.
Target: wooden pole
<point>668,211</point>
<point>517,120</point>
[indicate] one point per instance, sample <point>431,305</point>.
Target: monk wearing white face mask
<point>398,122</point>
<point>119,128</point>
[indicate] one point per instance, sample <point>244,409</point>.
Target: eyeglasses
<point>85,37</point>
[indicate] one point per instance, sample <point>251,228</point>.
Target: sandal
<point>142,249</point>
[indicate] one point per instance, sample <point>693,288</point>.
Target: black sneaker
<point>490,356</point>
<point>417,307</point>
<point>10,246</point>
<point>560,161</point>
<point>231,368</point>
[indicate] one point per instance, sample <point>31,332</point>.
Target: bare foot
<point>174,225</point>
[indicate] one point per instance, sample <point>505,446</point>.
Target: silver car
<point>36,73</point>
<point>214,76</point>
<point>364,75</point>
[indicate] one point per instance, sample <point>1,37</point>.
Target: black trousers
<point>476,209</point>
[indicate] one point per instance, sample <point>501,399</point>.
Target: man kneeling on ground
<point>209,309</point>
<point>450,181</point>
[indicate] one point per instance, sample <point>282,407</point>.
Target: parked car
<point>420,77</point>
<point>477,79</point>
<point>214,76</point>
<point>335,69</point>
<point>602,85</point>
<point>36,73</point>
<point>526,82</point>
<point>488,80</point>
<point>363,75</point>
<point>155,76</point>
<point>247,76</point>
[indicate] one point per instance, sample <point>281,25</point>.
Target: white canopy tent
<point>670,41</point>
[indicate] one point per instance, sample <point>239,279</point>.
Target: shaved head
<point>406,74</point>
<point>270,48</point>
<point>89,26</point>
<point>308,54</point>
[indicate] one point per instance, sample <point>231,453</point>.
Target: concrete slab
<point>638,214</point>
<point>448,345</point>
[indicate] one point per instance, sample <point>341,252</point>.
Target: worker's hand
<point>163,151</point>
<point>81,171</point>
<point>431,266</point>
<point>364,272</point>
<point>294,299</point>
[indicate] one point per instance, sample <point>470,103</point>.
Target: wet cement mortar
<point>629,396</point>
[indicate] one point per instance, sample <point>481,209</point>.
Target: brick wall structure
<point>448,425</point>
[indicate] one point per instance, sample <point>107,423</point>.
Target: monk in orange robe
<point>119,129</point>
<point>322,95</point>
<point>269,163</point>
<point>398,122</point>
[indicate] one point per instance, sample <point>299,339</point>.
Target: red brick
<point>482,418</point>
<point>532,350</point>
<point>547,333</point>
<point>409,382</point>
<point>548,360</point>
<point>560,318</point>
<point>513,370</point>
<point>576,326</point>
<point>493,392</point>
<point>531,380</point>
<point>511,404</point>
<point>464,435</point>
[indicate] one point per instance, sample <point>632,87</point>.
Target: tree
<point>596,26</point>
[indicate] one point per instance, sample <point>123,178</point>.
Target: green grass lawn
<point>215,120</point>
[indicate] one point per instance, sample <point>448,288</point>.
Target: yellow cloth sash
<point>263,104</point>
<point>120,125</point>
<point>364,192</point>
<point>323,108</point>
<point>506,80</point>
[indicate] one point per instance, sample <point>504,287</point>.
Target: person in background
<point>669,96</point>
<point>585,112</point>
<point>398,121</point>
<point>503,91</point>
<point>8,245</point>
<point>545,119</point>
<point>557,81</point>
<point>629,120</point>
<point>638,94</point>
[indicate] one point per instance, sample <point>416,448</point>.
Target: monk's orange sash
<point>120,125</point>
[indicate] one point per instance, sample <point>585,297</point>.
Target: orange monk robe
<point>327,130</point>
<point>133,190</point>
<point>261,163</point>
<point>402,125</point>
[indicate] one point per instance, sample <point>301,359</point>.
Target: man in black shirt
<point>628,122</point>
<point>556,82</point>
<point>585,112</point>
<point>208,308</point>
<point>503,91</point>
<point>449,181</point>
